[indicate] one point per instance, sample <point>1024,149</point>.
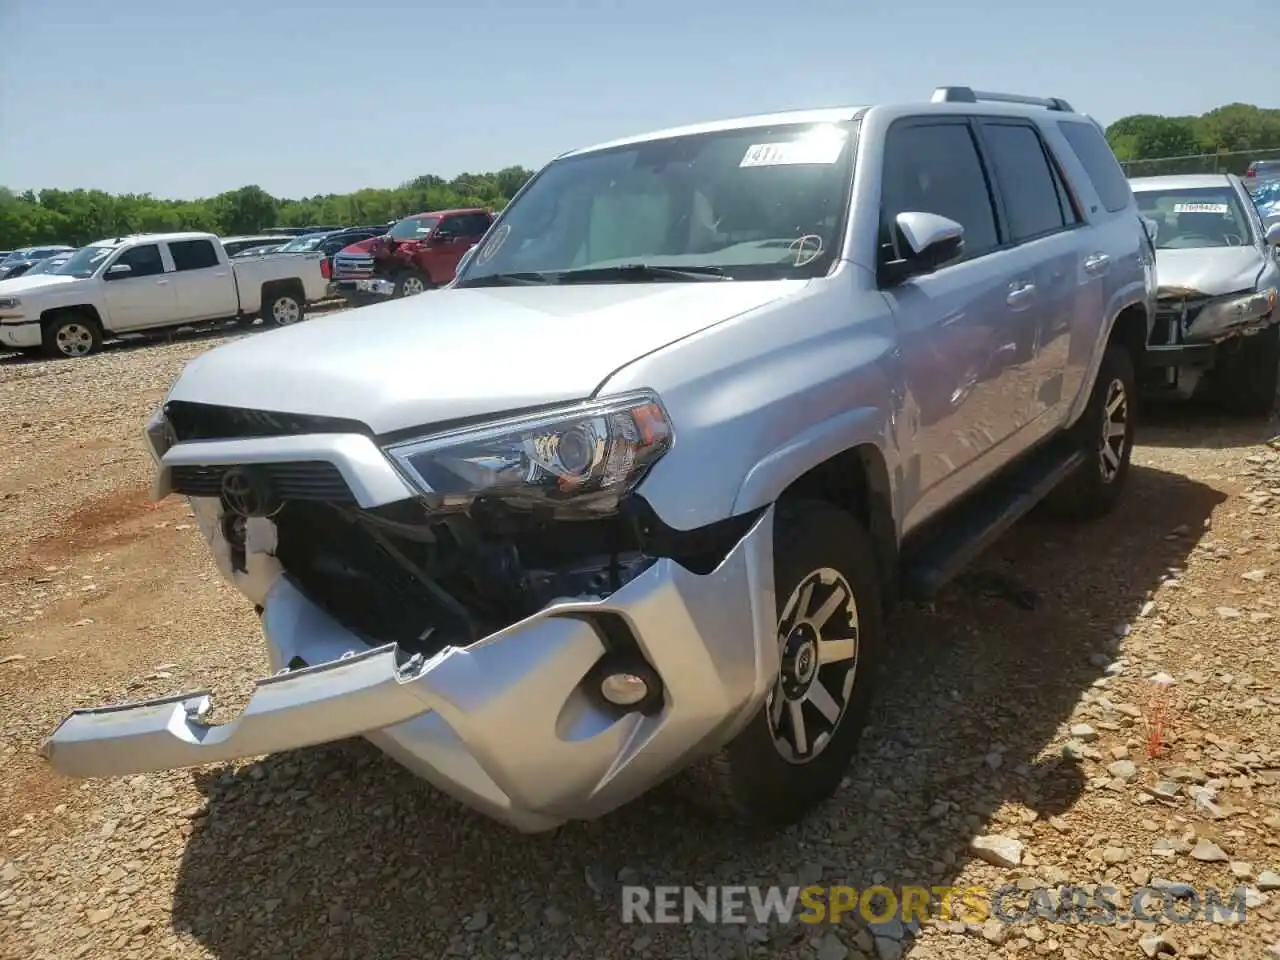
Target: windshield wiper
<point>641,272</point>
<point>505,280</point>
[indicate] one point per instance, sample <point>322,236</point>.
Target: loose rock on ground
<point>1121,730</point>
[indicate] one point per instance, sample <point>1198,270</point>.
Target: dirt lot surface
<point>1018,710</point>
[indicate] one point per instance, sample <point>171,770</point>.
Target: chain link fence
<point>1225,162</point>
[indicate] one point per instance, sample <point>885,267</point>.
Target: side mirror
<point>1273,235</point>
<point>443,236</point>
<point>932,241</point>
<point>118,271</point>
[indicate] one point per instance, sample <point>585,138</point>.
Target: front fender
<point>766,481</point>
<point>1132,295</point>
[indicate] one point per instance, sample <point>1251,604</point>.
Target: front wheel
<point>1248,377</point>
<point>71,335</point>
<point>410,284</point>
<point>795,751</point>
<point>1105,433</point>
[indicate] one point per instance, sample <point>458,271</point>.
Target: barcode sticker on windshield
<point>815,150</point>
<point>1221,208</point>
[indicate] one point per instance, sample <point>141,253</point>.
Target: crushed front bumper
<point>506,725</point>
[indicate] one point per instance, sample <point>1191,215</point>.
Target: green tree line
<point>82,216</point>
<point>1236,127</point>
<point>77,217</point>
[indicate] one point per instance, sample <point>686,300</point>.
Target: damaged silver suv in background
<point>1216,263</point>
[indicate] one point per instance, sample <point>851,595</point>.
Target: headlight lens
<point>157,434</point>
<point>10,303</point>
<point>580,459</point>
<point>1229,311</point>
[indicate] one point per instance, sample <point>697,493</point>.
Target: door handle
<point>1097,264</point>
<point>1020,295</point>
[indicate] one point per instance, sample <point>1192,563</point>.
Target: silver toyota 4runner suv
<point>635,492</point>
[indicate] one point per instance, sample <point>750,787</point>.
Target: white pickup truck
<point>147,282</point>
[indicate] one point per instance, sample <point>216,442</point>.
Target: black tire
<point>1096,487</point>
<point>411,279</point>
<point>751,780</point>
<point>282,307</point>
<point>70,335</point>
<point>1248,377</point>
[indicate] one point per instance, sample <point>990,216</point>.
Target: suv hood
<point>452,353</point>
<point>17,285</point>
<point>1211,271</point>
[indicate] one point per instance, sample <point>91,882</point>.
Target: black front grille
<point>206,421</point>
<point>303,480</point>
<point>1173,316</point>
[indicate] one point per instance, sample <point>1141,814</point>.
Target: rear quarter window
<point>1095,155</point>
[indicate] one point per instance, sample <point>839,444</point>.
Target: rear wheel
<point>71,335</point>
<point>282,308</point>
<point>1249,376</point>
<point>795,751</point>
<point>1105,434</point>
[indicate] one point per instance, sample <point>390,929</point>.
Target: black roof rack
<point>969,95</point>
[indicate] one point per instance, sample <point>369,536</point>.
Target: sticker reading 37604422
<point>824,149</point>
<point>1219,208</point>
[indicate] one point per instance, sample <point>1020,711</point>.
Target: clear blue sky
<point>183,99</point>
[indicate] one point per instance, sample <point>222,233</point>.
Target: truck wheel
<point>1105,433</point>
<point>795,751</point>
<point>71,334</point>
<point>410,285</point>
<point>1249,376</point>
<point>281,308</point>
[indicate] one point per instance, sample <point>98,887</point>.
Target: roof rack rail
<point>969,95</point>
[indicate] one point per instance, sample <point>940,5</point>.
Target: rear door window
<point>192,255</point>
<point>1095,155</point>
<point>1032,200</point>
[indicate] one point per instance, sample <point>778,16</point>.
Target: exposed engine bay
<point>402,574</point>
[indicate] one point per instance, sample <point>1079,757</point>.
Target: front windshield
<point>413,228</point>
<point>1195,218</point>
<point>49,265</point>
<point>83,263</point>
<point>757,203</point>
<point>300,245</point>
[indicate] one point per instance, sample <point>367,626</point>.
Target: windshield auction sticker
<point>824,150</point>
<point>1221,208</point>
<point>494,243</point>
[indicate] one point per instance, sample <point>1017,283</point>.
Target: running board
<point>978,520</point>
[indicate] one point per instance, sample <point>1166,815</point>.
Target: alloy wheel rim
<point>412,286</point>
<point>74,340</point>
<point>818,647</point>
<point>1115,430</point>
<point>285,311</point>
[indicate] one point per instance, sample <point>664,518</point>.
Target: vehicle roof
<point>1180,181</point>
<point>983,105</point>
<point>265,237</point>
<point>443,213</point>
<point>42,246</point>
<point>152,237</point>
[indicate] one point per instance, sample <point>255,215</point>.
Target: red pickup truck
<point>418,253</point>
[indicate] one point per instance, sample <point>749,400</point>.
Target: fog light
<point>624,689</point>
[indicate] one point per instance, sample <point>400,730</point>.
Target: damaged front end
<point>1191,326</point>
<point>540,618</point>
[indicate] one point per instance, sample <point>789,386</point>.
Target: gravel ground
<point>1017,711</point>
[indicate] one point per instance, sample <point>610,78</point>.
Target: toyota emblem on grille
<point>249,493</point>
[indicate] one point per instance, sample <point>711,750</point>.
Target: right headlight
<point>581,459</point>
